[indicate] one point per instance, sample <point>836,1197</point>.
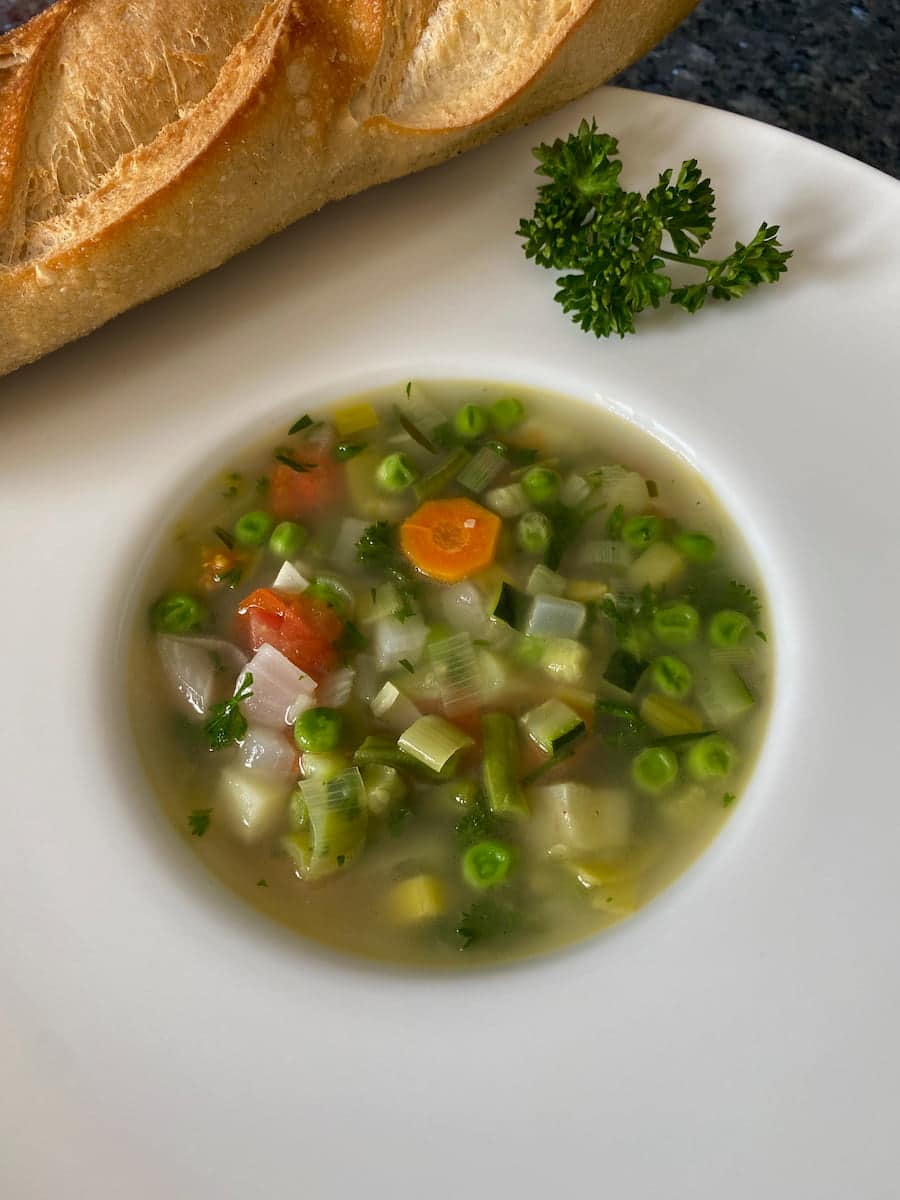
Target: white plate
<point>738,1038</point>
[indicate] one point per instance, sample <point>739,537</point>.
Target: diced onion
<point>555,617</point>
<point>335,689</point>
<point>393,640</point>
<point>280,691</point>
<point>198,667</point>
<point>344,553</point>
<point>509,501</point>
<point>265,749</point>
<point>289,579</point>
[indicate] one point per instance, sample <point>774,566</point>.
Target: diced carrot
<point>293,494</point>
<point>451,539</point>
<point>304,629</point>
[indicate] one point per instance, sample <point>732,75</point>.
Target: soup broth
<point>450,673</point>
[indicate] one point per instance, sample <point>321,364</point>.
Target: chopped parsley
<point>728,798</point>
<point>486,920</point>
<point>226,722</point>
<point>199,820</point>
<point>302,468</point>
<point>407,666</point>
<point>224,537</point>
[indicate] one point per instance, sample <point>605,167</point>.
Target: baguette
<point>144,143</point>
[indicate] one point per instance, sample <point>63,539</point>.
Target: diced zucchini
<point>552,725</point>
<point>510,605</point>
<point>670,717</point>
<point>417,899</point>
<point>624,670</point>
<point>659,566</point>
<point>723,695</point>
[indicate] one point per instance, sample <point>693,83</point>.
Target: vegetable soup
<point>451,673</point>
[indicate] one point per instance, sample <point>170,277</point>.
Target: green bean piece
<point>541,485</point>
<point>676,624</point>
<point>654,769</point>
<point>533,532</point>
<point>671,676</point>
<point>506,413</point>
<point>287,539</point>
<point>395,473</point>
<point>178,614</point>
<point>696,547</point>
<point>486,864</point>
<point>500,765</point>
<point>253,528</point>
<point>711,758</point>
<point>728,628</point>
<point>641,532</point>
<point>318,730</point>
<point>470,422</point>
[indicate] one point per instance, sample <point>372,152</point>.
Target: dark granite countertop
<point>827,69</point>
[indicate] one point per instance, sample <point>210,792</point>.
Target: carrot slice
<point>450,540</point>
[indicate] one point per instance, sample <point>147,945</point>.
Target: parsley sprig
<point>226,722</point>
<point>611,241</point>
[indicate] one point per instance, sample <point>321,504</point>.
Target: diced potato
<point>354,419</point>
<point>659,566</point>
<point>253,804</point>
<point>586,590</point>
<point>670,717</point>
<point>579,818</point>
<point>687,809</point>
<point>417,899</point>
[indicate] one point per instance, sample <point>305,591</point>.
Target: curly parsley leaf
<point>226,722</point>
<point>610,242</point>
<point>486,920</point>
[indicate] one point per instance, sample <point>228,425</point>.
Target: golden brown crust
<point>232,134</point>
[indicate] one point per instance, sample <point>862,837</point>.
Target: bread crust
<point>298,102</point>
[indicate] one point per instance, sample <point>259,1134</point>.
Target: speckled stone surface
<point>827,69</point>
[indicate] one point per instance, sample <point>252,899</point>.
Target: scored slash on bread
<point>144,142</point>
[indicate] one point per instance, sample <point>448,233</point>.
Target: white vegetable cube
<point>289,579</point>
<point>395,639</point>
<point>625,488</point>
<point>197,668</point>
<point>264,749</point>
<point>658,566</point>
<point>581,819</point>
<point>555,617</point>
<point>253,802</point>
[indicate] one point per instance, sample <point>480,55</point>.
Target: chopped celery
<point>394,708</point>
<point>723,695</point>
<point>564,659</point>
<point>335,827</point>
<point>434,742</point>
<point>458,673</point>
<point>659,566</point>
<point>508,502</point>
<point>552,725</point>
<point>500,765</point>
<point>542,579</point>
<point>481,470</point>
<point>605,553</point>
<point>420,898</point>
<point>434,483</point>
<point>378,749</point>
<point>669,717</point>
<point>555,617</point>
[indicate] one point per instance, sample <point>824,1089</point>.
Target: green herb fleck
<point>302,468</point>
<point>762,637</point>
<point>224,537</point>
<point>652,488</point>
<point>199,821</point>
<point>486,920</point>
<point>262,485</point>
<point>261,883</point>
<point>304,422</point>
<point>232,484</point>
<point>344,451</point>
<point>728,798</point>
<point>226,722</point>
<point>407,666</point>
<point>615,522</point>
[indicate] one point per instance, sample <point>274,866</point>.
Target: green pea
<point>318,730</point>
<point>253,528</point>
<point>333,592</point>
<point>533,532</point>
<point>470,422</point>
<point>711,758</point>
<point>541,485</point>
<point>506,413</point>
<point>287,539</point>
<point>641,532</point>
<point>654,769</point>
<point>486,864</point>
<point>671,676</point>
<point>676,624</point>
<point>178,614</point>
<point>696,547</point>
<point>395,473</point>
<point>728,628</point>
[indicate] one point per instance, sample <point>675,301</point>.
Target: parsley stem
<point>686,258</point>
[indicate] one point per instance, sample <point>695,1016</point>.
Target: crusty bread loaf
<point>143,142</point>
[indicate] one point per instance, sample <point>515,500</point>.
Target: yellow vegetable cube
<point>354,419</point>
<point>417,899</point>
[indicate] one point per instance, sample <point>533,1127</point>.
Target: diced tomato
<point>294,494</point>
<point>303,628</point>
